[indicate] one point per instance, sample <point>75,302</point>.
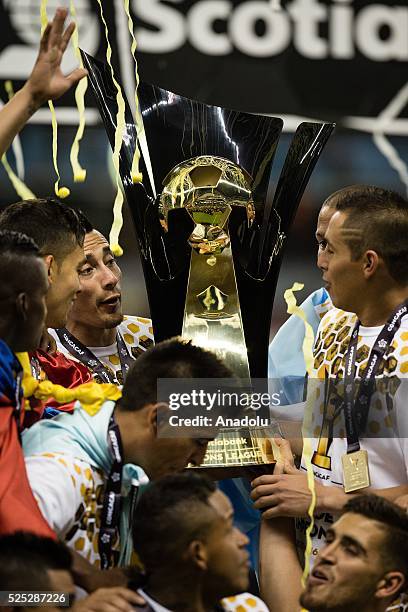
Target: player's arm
<point>279,568</point>
<point>46,82</point>
<point>289,495</point>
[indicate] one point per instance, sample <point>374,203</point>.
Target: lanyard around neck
<point>356,409</point>
<point>87,357</point>
<point>112,501</point>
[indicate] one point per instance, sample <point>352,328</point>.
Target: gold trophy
<point>208,187</point>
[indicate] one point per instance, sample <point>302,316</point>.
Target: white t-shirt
<point>387,423</point>
<point>137,333</point>
<point>69,493</point>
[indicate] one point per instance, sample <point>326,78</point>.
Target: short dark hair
<point>174,358</point>
<point>172,512</point>
<point>16,252</point>
<point>25,559</point>
<point>16,243</point>
<point>340,194</point>
<point>394,521</point>
<point>380,217</point>
<point>55,227</point>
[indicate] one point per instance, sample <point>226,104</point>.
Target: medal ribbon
<point>356,411</point>
<point>18,398</point>
<point>86,357</point>
<point>112,501</point>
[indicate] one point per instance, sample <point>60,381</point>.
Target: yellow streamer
<point>8,86</point>
<point>307,347</point>
<point>78,171</point>
<point>20,187</point>
<point>91,395</point>
<point>137,176</point>
<point>120,130</point>
<point>308,341</point>
<point>43,15</point>
<point>61,192</point>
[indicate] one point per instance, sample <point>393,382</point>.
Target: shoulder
<point>321,301</point>
<point>137,331</point>
<point>244,602</point>
<point>404,324</point>
<point>398,353</point>
<point>293,330</point>
<point>134,323</point>
<point>65,476</point>
<point>61,485</point>
<point>401,337</point>
<point>59,463</point>
<point>335,320</point>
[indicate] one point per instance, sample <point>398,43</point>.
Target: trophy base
<point>240,453</point>
<point>235,471</point>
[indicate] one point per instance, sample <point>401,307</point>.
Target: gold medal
<point>355,471</point>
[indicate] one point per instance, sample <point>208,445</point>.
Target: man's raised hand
<point>47,82</point>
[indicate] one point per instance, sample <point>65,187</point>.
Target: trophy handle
<point>257,277</point>
<point>304,151</point>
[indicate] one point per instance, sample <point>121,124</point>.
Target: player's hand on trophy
<point>47,82</point>
<point>285,463</point>
<point>285,492</point>
<point>282,495</point>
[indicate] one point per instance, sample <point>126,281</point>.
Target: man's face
<point>99,303</point>
<point>172,455</point>
<point>64,287</point>
<point>343,277</point>
<point>228,560</point>
<point>169,454</point>
<point>323,220</point>
<point>348,569</point>
<point>33,327</point>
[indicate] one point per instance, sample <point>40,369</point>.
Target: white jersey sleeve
<point>56,493</point>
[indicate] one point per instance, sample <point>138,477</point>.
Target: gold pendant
<point>355,471</point>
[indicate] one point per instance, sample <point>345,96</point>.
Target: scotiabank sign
<point>319,58</point>
<point>316,30</point>
<point>324,59</point>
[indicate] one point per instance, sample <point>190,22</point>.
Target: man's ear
<point>152,418</point>
<point>197,555</point>
<point>157,416</point>
<point>370,263</point>
<point>390,585</point>
<point>22,306</point>
<point>50,264</point>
